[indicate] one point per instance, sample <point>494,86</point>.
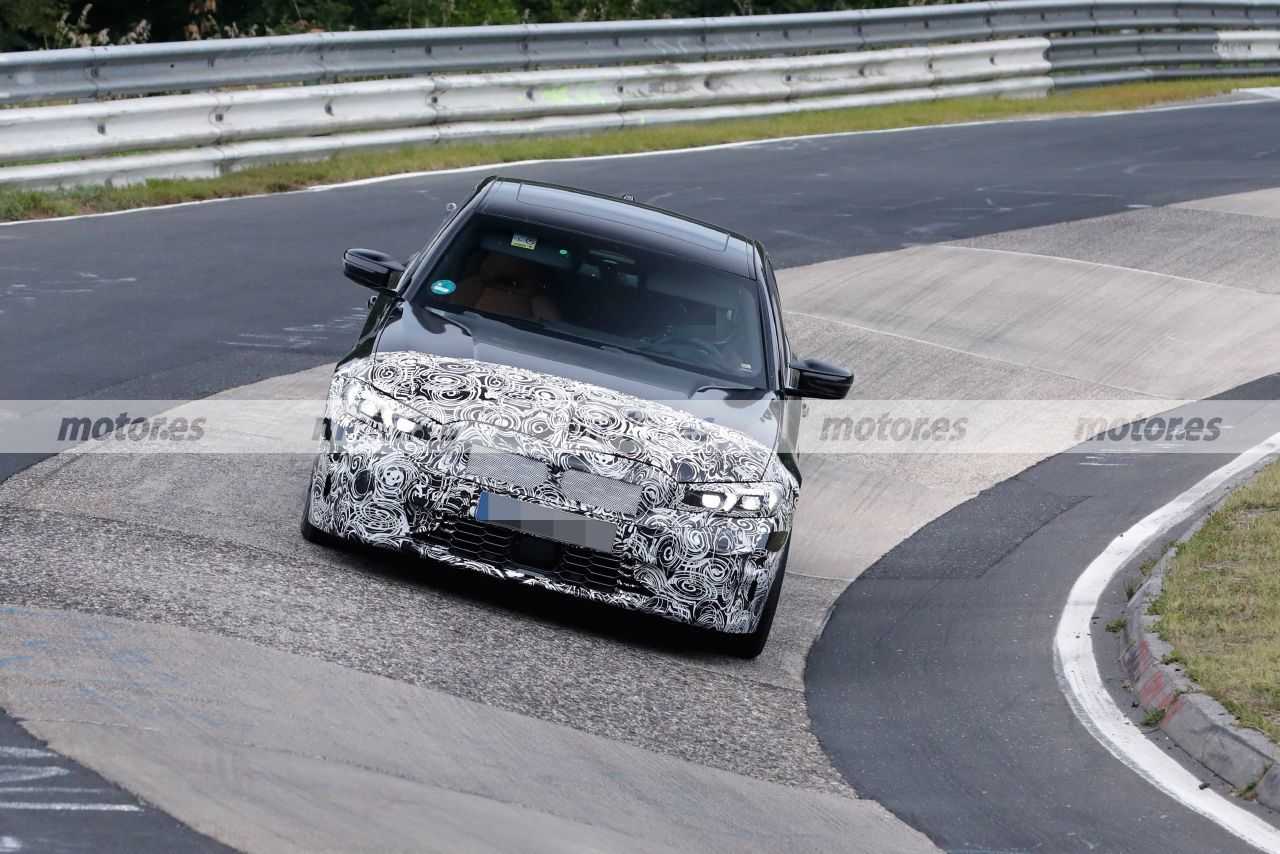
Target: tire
<point>751,644</point>
<point>310,532</point>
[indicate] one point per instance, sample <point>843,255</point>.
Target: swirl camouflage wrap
<point>463,430</point>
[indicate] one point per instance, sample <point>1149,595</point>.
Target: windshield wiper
<point>714,387</point>
<point>509,320</point>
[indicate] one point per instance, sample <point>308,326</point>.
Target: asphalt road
<point>69,808</point>
<point>933,689</point>
<point>181,303</point>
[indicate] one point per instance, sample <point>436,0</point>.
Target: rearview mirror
<point>821,380</point>
<point>372,269</point>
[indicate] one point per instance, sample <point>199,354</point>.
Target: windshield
<point>605,294</point>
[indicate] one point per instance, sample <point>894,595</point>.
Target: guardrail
<point>456,101</point>
<point>527,82</point>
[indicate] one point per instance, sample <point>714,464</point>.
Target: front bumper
<point>695,567</point>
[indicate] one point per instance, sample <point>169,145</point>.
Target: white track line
<point>1081,680</point>
<point>25,752</point>
<point>35,805</point>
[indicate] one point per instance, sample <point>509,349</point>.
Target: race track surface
<point>984,261</point>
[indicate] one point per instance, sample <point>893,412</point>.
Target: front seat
<point>509,286</point>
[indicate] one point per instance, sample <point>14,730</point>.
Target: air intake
<point>508,468</point>
<point>606,493</point>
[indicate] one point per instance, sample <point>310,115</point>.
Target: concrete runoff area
<point>205,548</point>
<point>277,752</point>
<point>1186,241</point>
<point>1231,240</point>
<point>1132,330</point>
<point>1260,203</point>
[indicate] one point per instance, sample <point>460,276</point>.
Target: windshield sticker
<point>523,241</point>
<point>443,287</point>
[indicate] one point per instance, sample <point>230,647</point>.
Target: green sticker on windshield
<point>443,287</point>
<point>523,241</point>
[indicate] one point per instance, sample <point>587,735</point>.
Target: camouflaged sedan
<point>580,393</point>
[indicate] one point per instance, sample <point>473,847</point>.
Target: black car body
<point>577,392</point>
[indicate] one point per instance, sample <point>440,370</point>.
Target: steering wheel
<point>672,341</point>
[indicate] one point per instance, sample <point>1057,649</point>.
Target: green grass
<point>1221,604</point>
<point>30,204</point>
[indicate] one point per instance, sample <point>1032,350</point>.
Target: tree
<point>29,24</point>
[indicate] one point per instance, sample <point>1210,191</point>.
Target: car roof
<point>620,220</point>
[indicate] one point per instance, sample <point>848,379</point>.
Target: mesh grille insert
<point>592,570</point>
<point>606,493</point>
<point>507,467</point>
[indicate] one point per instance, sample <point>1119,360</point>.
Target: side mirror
<point>372,269</point>
<point>821,380</point>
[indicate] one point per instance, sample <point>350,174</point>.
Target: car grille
<point>599,571</point>
<point>595,490</point>
<point>591,490</point>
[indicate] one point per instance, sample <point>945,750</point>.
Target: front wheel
<point>751,644</point>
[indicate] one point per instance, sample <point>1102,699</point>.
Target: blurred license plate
<point>546,522</point>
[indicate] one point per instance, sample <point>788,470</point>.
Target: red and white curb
<point>1081,680</point>
<point>1196,722</point>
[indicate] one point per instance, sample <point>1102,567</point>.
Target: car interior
<point>634,300</point>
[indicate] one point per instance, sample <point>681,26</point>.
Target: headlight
<point>374,407</point>
<point>740,499</point>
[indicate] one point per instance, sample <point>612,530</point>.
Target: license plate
<point>546,522</point>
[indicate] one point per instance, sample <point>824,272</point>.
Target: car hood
<point>569,414</point>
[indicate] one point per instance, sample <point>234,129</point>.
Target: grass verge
<point>1221,604</point>
<point>36,204</point>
